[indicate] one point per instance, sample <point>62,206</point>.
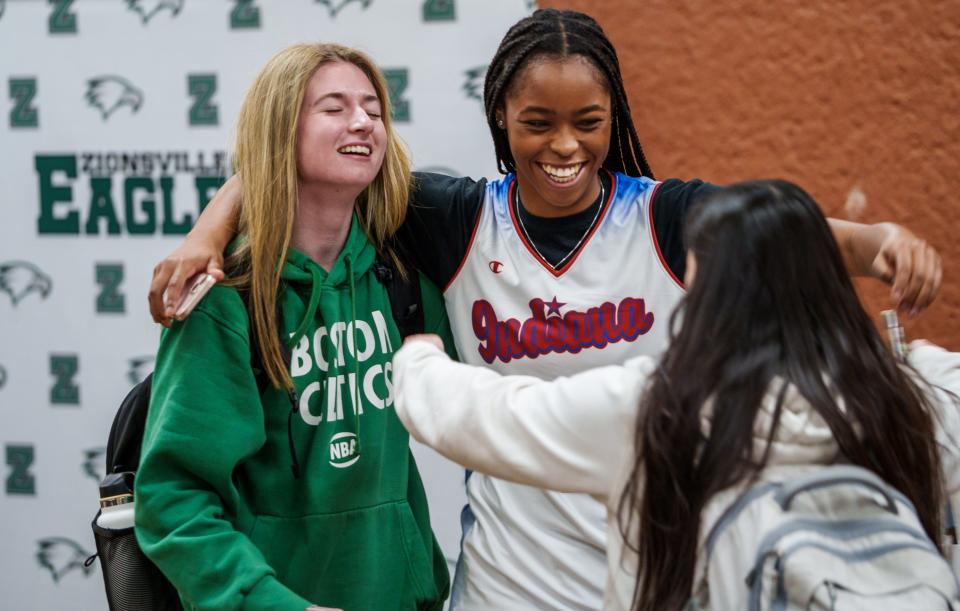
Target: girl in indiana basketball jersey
<point>572,260</point>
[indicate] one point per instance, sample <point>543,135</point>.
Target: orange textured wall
<point>857,101</point>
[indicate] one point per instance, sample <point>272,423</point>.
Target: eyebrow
<point>337,95</point>
<point>549,111</point>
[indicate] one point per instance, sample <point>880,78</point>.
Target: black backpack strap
<point>256,361</point>
<point>126,432</point>
<point>263,381</point>
<point>406,301</point>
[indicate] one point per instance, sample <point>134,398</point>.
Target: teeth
<point>565,174</point>
<point>356,149</point>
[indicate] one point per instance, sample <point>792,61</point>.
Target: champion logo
<point>496,267</point>
<point>548,331</point>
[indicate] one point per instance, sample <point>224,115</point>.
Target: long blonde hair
<point>265,158</point>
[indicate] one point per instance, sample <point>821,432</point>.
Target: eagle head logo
<point>147,9</point>
<point>335,6</point>
<point>93,463</point>
<point>108,93</point>
<point>60,556</point>
<point>19,279</point>
<point>3,377</point>
<point>140,367</point>
<point>473,85</point>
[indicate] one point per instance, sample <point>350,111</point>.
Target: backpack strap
<point>126,432</point>
<point>256,361</point>
<point>263,380</point>
<point>406,300</point>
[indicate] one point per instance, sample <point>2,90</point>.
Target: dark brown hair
<point>771,299</point>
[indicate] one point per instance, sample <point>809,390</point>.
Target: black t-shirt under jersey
<point>444,210</point>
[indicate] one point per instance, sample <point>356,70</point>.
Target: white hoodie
<point>576,434</point>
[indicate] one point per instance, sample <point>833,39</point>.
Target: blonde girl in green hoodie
<point>219,510</point>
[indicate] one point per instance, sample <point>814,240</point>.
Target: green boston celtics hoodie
<point>218,507</point>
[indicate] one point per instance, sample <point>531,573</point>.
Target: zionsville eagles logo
<point>335,6</point>
<point>93,465</point>
<point>148,9</point>
<point>19,279</point>
<point>473,82</point>
<point>547,330</point>
<point>110,92</point>
<point>60,556</point>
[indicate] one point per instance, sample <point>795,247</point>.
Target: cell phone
<point>898,342</point>
<point>199,286</point>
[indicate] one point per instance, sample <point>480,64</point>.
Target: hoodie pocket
<point>419,561</point>
<point>362,559</point>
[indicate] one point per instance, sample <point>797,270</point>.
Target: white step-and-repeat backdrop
<point>116,129</point>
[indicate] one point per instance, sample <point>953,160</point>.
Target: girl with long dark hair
<point>578,227</point>
<point>772,365</point>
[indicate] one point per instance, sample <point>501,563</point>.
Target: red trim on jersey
<point>523,239</point>
<point>466,253</point>
<point>656,242</point>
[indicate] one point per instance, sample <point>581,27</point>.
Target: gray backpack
<point>837,538</point>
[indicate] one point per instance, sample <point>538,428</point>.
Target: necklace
<point>526,234</point>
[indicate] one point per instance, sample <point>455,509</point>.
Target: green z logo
<point>24,113</point>
<point>64,368</point>
<point>397,81</point>
<point>20,481</point>
<point>245,15</point>
<point>62,19</point>
<point>110,300</point>
<point>202,87</point>
<point>439,10</point>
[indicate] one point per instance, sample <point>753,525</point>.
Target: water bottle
<point>116,501</point>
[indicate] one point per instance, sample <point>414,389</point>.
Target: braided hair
<point>561,34</point>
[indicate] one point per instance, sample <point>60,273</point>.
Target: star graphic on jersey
<point>553,307</point>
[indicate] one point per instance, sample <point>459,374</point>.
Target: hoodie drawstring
<point>355,396</point>
<point>294,463</point>
<point>315,291</point>
<point>308,314</point>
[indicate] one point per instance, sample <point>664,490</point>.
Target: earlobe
<point>500,122</point>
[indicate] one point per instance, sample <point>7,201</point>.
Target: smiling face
<point>341,138</point>
<point>558,121</point>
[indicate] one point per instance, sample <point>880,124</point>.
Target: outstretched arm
<point>885,251</point>
<point>893,254</point>
<point>570,434</point>
<point>941,369</point>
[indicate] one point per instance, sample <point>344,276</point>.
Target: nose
<point>565,142</point>
<point>360,121</point>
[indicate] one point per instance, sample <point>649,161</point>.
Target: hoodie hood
<point>308,279</point>
<point>802,436</point>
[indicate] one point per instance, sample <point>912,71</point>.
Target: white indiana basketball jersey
<point>525,548</point>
